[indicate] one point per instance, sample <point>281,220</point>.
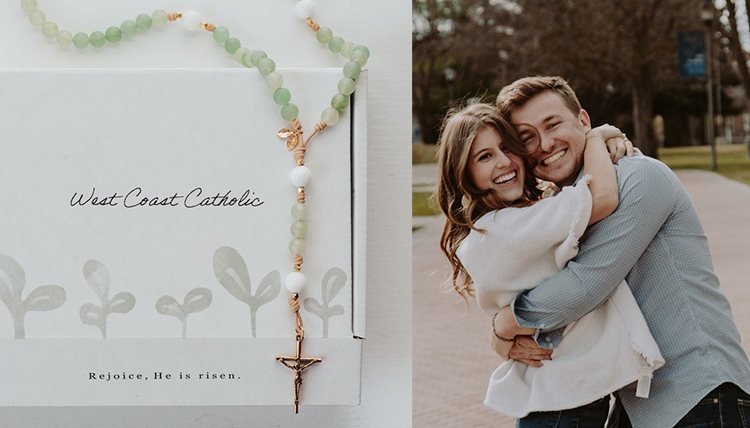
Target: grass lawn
<point>731,160</point>
<point>421,204</point>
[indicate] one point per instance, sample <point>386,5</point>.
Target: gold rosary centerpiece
<point>296,362</point>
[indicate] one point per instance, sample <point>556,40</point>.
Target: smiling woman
<point>492,166</point>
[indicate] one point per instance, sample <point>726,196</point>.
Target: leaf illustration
<point>268,289</point>
<point>45,298</point>
<point>12,283</point>
<point>332,288</point>
<point>197,300</point>
<point>333,281</point>
<point>167,305</point>
<point>91,315</point>
<point>97,276</point>
<point>122,303</point>
<point>314,307</point>
<point>231,272</point>
<point>336,310</point>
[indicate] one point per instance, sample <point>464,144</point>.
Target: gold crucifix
<point>297,362</point>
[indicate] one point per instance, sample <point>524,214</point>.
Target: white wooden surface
<point>385,27</point>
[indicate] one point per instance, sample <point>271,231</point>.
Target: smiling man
<point>655,241</point>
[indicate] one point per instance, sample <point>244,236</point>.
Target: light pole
<point>503,55</point>
<point>707,16</point>
<point>450,77</point>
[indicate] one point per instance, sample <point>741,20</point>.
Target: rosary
<point>357,56</point>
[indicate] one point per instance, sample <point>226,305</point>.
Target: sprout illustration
<point>41,299</point>
<point>97,276</point>
<point>195,301</point>
<point>231,272</point>
<point>333,281</point>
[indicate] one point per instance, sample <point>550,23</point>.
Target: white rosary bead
<point>304,9</point>
<point>300,176</point>
<point>295,282</point>
<point>191,20</point>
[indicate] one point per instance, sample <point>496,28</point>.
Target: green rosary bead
<point>289,112</point>
<point>340,102</point>
<point>359,56</point>
<point>299,211</point>
<point>143,22</point>
<point>324,35</point>
<point>329,116</point>
<point>362,48</point>
<point>274,80</point>
<point>247,59</point>
<point>113,34</point>
<point>159,18</point>
<point>49,29</point>
<point>352,70</point>
<point>282,96</point>
<point>256,57</point>
<point>128,28</point>
<point>297,246</point>
<point>347,86</point>
<point>221,34</point>
<point>81,40</point>
<point>37,18</point>
<point>335,44</point>
<point>239,53</point>
<point>28,5</point>
<point>231,45</point>
<point>97,39</point>
<point>64,38</point>
<point>346,49</point>
<point>299,229</point>
<point>266,65</point>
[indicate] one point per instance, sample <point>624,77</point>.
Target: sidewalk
<point>452,359</point>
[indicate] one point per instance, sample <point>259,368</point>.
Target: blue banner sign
<point>692,53</point>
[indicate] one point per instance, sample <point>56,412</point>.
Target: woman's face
<point>493,167</point>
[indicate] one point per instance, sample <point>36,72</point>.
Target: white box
<point>126,135</point>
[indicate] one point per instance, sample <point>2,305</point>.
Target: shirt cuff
<point>548,339</point>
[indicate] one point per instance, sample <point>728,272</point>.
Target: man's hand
<point>506,325</point>
<point>523,349</point>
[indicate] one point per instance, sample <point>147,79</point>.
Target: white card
<point>149,205</point>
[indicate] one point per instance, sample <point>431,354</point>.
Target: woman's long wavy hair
<point>462,201</point>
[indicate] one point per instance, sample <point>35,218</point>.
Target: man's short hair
<point>519,92</point>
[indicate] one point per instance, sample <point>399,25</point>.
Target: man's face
<point>558,134</point>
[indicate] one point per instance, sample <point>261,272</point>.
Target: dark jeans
<point>591,415</point>
<point>727,406</point>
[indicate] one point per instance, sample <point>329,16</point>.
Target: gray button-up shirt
<point>656,242</point>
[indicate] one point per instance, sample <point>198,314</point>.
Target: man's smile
<point>554,158</point>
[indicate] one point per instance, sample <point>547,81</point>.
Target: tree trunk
<point>643,106</point>
<point>737,51</point>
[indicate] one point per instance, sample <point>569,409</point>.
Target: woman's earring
<point>465,201</point>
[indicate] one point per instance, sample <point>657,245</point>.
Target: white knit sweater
<point>600,353</point>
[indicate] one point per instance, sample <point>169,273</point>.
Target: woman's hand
<point>617,143</point>
<point>523,349</point>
